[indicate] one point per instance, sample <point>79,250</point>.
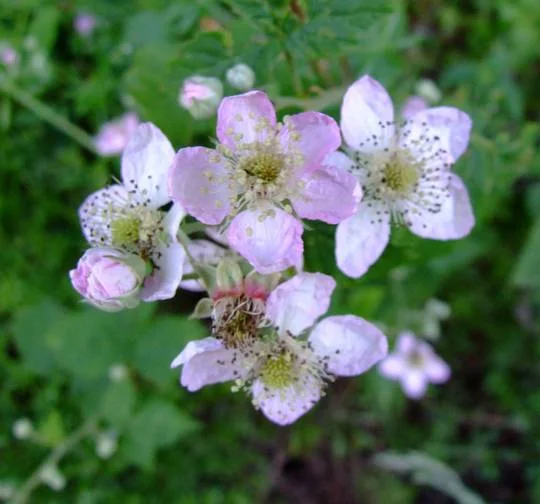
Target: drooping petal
<point>269,238</point>
<point>99,209</point>
<point>448,127</point>
<point>145,165</point>
<point>206,362</point>
<point>312,135</point>
<point>393,367</point>
<point>199,181</point>
<point>367,116</point>
<point>296,304</point>
<point>350,344</point>
<point>329,194</point>
<point>414,383</point>
<point>362,238</point>
<point>455,219</point>
<point>245,118</point>
<point>284,406</point>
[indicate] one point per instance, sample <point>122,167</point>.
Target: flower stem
<point>47,114</point>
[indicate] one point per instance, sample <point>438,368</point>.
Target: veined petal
<point>367,116</point>
<point>145,165</point>
<point>284,406</point>
<point>98,211</point>
<point>206,362</point>
<point>245,118</point>
<point>455,219</point>
<point>450,126</point>
<point>329,194</point>
<point>296,304</point>
<point>350,344</point>
<point>362,238</point>
<point>269,238</point>
<point>313,135</point>
<point>199,181</point>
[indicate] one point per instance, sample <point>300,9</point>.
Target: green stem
<point>203,276</point>
<point>47,114</point>
<point>193,227</point>
<point>56,455</point>
<point>320,102</point>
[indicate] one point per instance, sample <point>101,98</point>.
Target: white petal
<point>414,383</point>
<point>285,406</point>
<point>367,116</point>
<point>145,165</point>
<point>455,219</point>
<point>350,344</point>
<point>393,366</point>
<point>295,304</point>
<point>362,238</point>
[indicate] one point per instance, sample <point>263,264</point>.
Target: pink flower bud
<point>200,96</point>
<point>8,56</point>
<point>84,24</point>
<point>109,279</point>
<point>114,136</point>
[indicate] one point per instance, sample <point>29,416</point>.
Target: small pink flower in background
<point>284,374</point>
<point>262,178</point>
<point>414,364</point>
<point>200,96</point>
<point>405,174</point>
<point>128,216</point>
<point>113,136</point>
<point>412,106</point>
<point>109,279</point>
<point>204,252</point>
<point>84,24</point>
<point>8,56</point>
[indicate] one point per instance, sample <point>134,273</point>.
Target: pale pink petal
<point>393,367</point>
<point>199,181</point>
<point>296,304</point>
<point>455,219</point>
<point>406,343</point>
<point>367,116</point>
<point>414,383</point>
<point>362,238</point>
<point>206,362</point>
<point>350,344</point>
<point>269,238</point>
<point>412,106</point>
<point>449,125</point>
<point>245,118</point>
<point>339,160</point>
<point>329,194</point>
<point>311,134</point>
<point>99,209</point>
<point>284,406</point>
<point>145,165</point>
<point>436,369</point>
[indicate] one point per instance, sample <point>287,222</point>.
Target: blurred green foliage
<point>68,367</point>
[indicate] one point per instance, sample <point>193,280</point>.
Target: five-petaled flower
<point>128,216</point>
<point>415,364</point>
<point>263,351</point>
<point>262,177</point>
<point>404,173</point>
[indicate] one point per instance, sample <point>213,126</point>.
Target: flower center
<point>400,173</point>
<point>278,371</point>
<point>265,166</point>
<point>416,359</point>
<point>125,231</point>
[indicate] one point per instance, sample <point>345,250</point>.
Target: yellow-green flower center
<point>125,231</point>
<point>278,371</point>
<point>400,174</point>
<point>266,166</point>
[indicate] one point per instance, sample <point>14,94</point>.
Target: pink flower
<point>415,365</point>
<point>8,56</point>
<point>128,216</point>
<point>262,178</point>
<point>405,173</point>
<point>115,135</point>
<point>412,106</point>
<point>84,24</point>
<point>109,279</point>
<point>267,355</point>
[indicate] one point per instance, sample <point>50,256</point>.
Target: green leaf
<point>51,430</point>
<point>527,272</point>
<point>118,403</point>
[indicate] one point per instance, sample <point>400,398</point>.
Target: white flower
<point>414,364</point>
<point>52,477</point>
<point>128,216</point>
<point>241,77</point>
<point>404,173</point>
<point>106,444</point>
<point>23,428</point>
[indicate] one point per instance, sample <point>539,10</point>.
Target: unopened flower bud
<point>200,96</point>
<point>8,56</point>
<point>118,372</point>
<point>106,444</point>
<point>109,279</point>
<point>241,77</point>
<point>115,135</point>
<point>23,428</point>
<point>84,24</point>
<point>52,477</point>
<point>428,90</point>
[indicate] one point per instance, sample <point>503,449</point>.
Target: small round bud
<point>428,90</point>
<point>23,428</point>
<point>113,136</point>
<point>241,77</point>
<point>106,444</point>
<point>84,24</point>
<point>53,478</point>
<point>109,279</point>
<point>8,56</point>
<point>118,372</point>
<point>200,96</point>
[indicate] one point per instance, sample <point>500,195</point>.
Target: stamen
<point>278,371</point>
